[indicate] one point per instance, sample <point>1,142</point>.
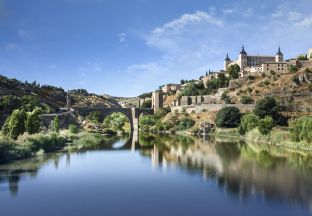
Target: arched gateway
<point>133,114</point>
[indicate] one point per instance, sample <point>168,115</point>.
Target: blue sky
<point>127,47</point>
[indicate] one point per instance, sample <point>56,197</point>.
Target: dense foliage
<point>246,100</point>
<point>248,122</point>
<point>147,104</point>
<point>115,121</point>
<point>15,124</point>
<point>95,117</point>
<point>73,128</point>
<point>269,107</point>
<point>301,129</point>
<point>185,123</point>
<point>228,117</point>
<point>33,122</point>
<point>56,124</point>
<point>234,71</point>
<point>265,125</point>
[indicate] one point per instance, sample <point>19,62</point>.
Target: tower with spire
<point>279,55</point>
<point>227,62</point>
<point>242,59</point>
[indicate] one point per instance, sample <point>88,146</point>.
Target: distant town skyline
<point>126,48</point>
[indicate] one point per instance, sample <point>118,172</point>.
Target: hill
<point>52,96</point>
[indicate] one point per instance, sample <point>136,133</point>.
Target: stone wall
<point>211,107</point>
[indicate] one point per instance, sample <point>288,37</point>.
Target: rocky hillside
<point>53,96</point>
<point>292,89</point>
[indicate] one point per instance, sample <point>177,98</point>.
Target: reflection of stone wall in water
<point>272,176</point>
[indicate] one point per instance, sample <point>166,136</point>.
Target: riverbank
<point>277,137</point>
<point>27,146</point>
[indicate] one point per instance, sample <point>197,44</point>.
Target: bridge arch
<point>133,114</point>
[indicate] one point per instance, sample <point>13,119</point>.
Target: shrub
<point>268,107</point>
<point>185,123</point>
<point>147,120</point>
<point>246,100</point>
<point>95,117</point>
<point>147,104</point>
<point>301,129</point>
<point>265,125</point>
<point>228,117</point>
<point>292,69</point>
<point>33,122</point>
<point>56,124</point>
<point>310,87</point>
<point>161,112</point>
<point>15,124</point>
<point>73,128</point>
<point>272,72</point>
<point>248,122</point>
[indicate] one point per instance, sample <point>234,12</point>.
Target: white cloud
<point>10,46</point>
<point>176,25</point>
<point>294,15</point>
<point>24,34</point>
<point>228,11</point>
<point>122,37</point>
<point>248,12</point>
<point>306,22</point>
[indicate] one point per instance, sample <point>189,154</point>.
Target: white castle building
<point>258,63</point>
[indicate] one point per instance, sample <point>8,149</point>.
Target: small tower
<point>157,100</point>
<point>242,58</point>
<point>227,61</point>
<point>279,55</point>
<point>68,101</point>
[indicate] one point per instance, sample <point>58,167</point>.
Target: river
<point>160,175</point>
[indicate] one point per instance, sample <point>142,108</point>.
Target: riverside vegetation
<point>264,125</point>
<point>22,135</point>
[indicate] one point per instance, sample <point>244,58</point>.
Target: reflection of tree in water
<point>12,173</point>
<point>242,171</point>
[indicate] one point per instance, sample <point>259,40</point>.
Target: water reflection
<point>240,170</point>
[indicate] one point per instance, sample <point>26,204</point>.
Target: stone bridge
<point>133,114</point>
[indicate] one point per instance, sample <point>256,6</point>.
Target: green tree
<point>56,124</point>
<point>115,121</point>
<point>266,107</point>
<point>228,117</point>
<point>147,104</point>
<point>10,103</point>
<point>30,102</point>
<point>190,90</point>
<point>248,122</point>
<point>15,124</point>
<point>265,125</point>
<point>33,122</point>
<point>234,71</point>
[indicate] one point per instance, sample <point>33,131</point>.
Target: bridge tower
<point>157,100</point>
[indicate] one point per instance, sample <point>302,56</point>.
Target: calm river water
<point>160,175</point>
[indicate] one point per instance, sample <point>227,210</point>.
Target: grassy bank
<point>277,137</point>
<point>27,146</point>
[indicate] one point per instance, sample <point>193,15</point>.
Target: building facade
<point>252,63</point>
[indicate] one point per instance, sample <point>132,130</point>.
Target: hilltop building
<point>253,63</point>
